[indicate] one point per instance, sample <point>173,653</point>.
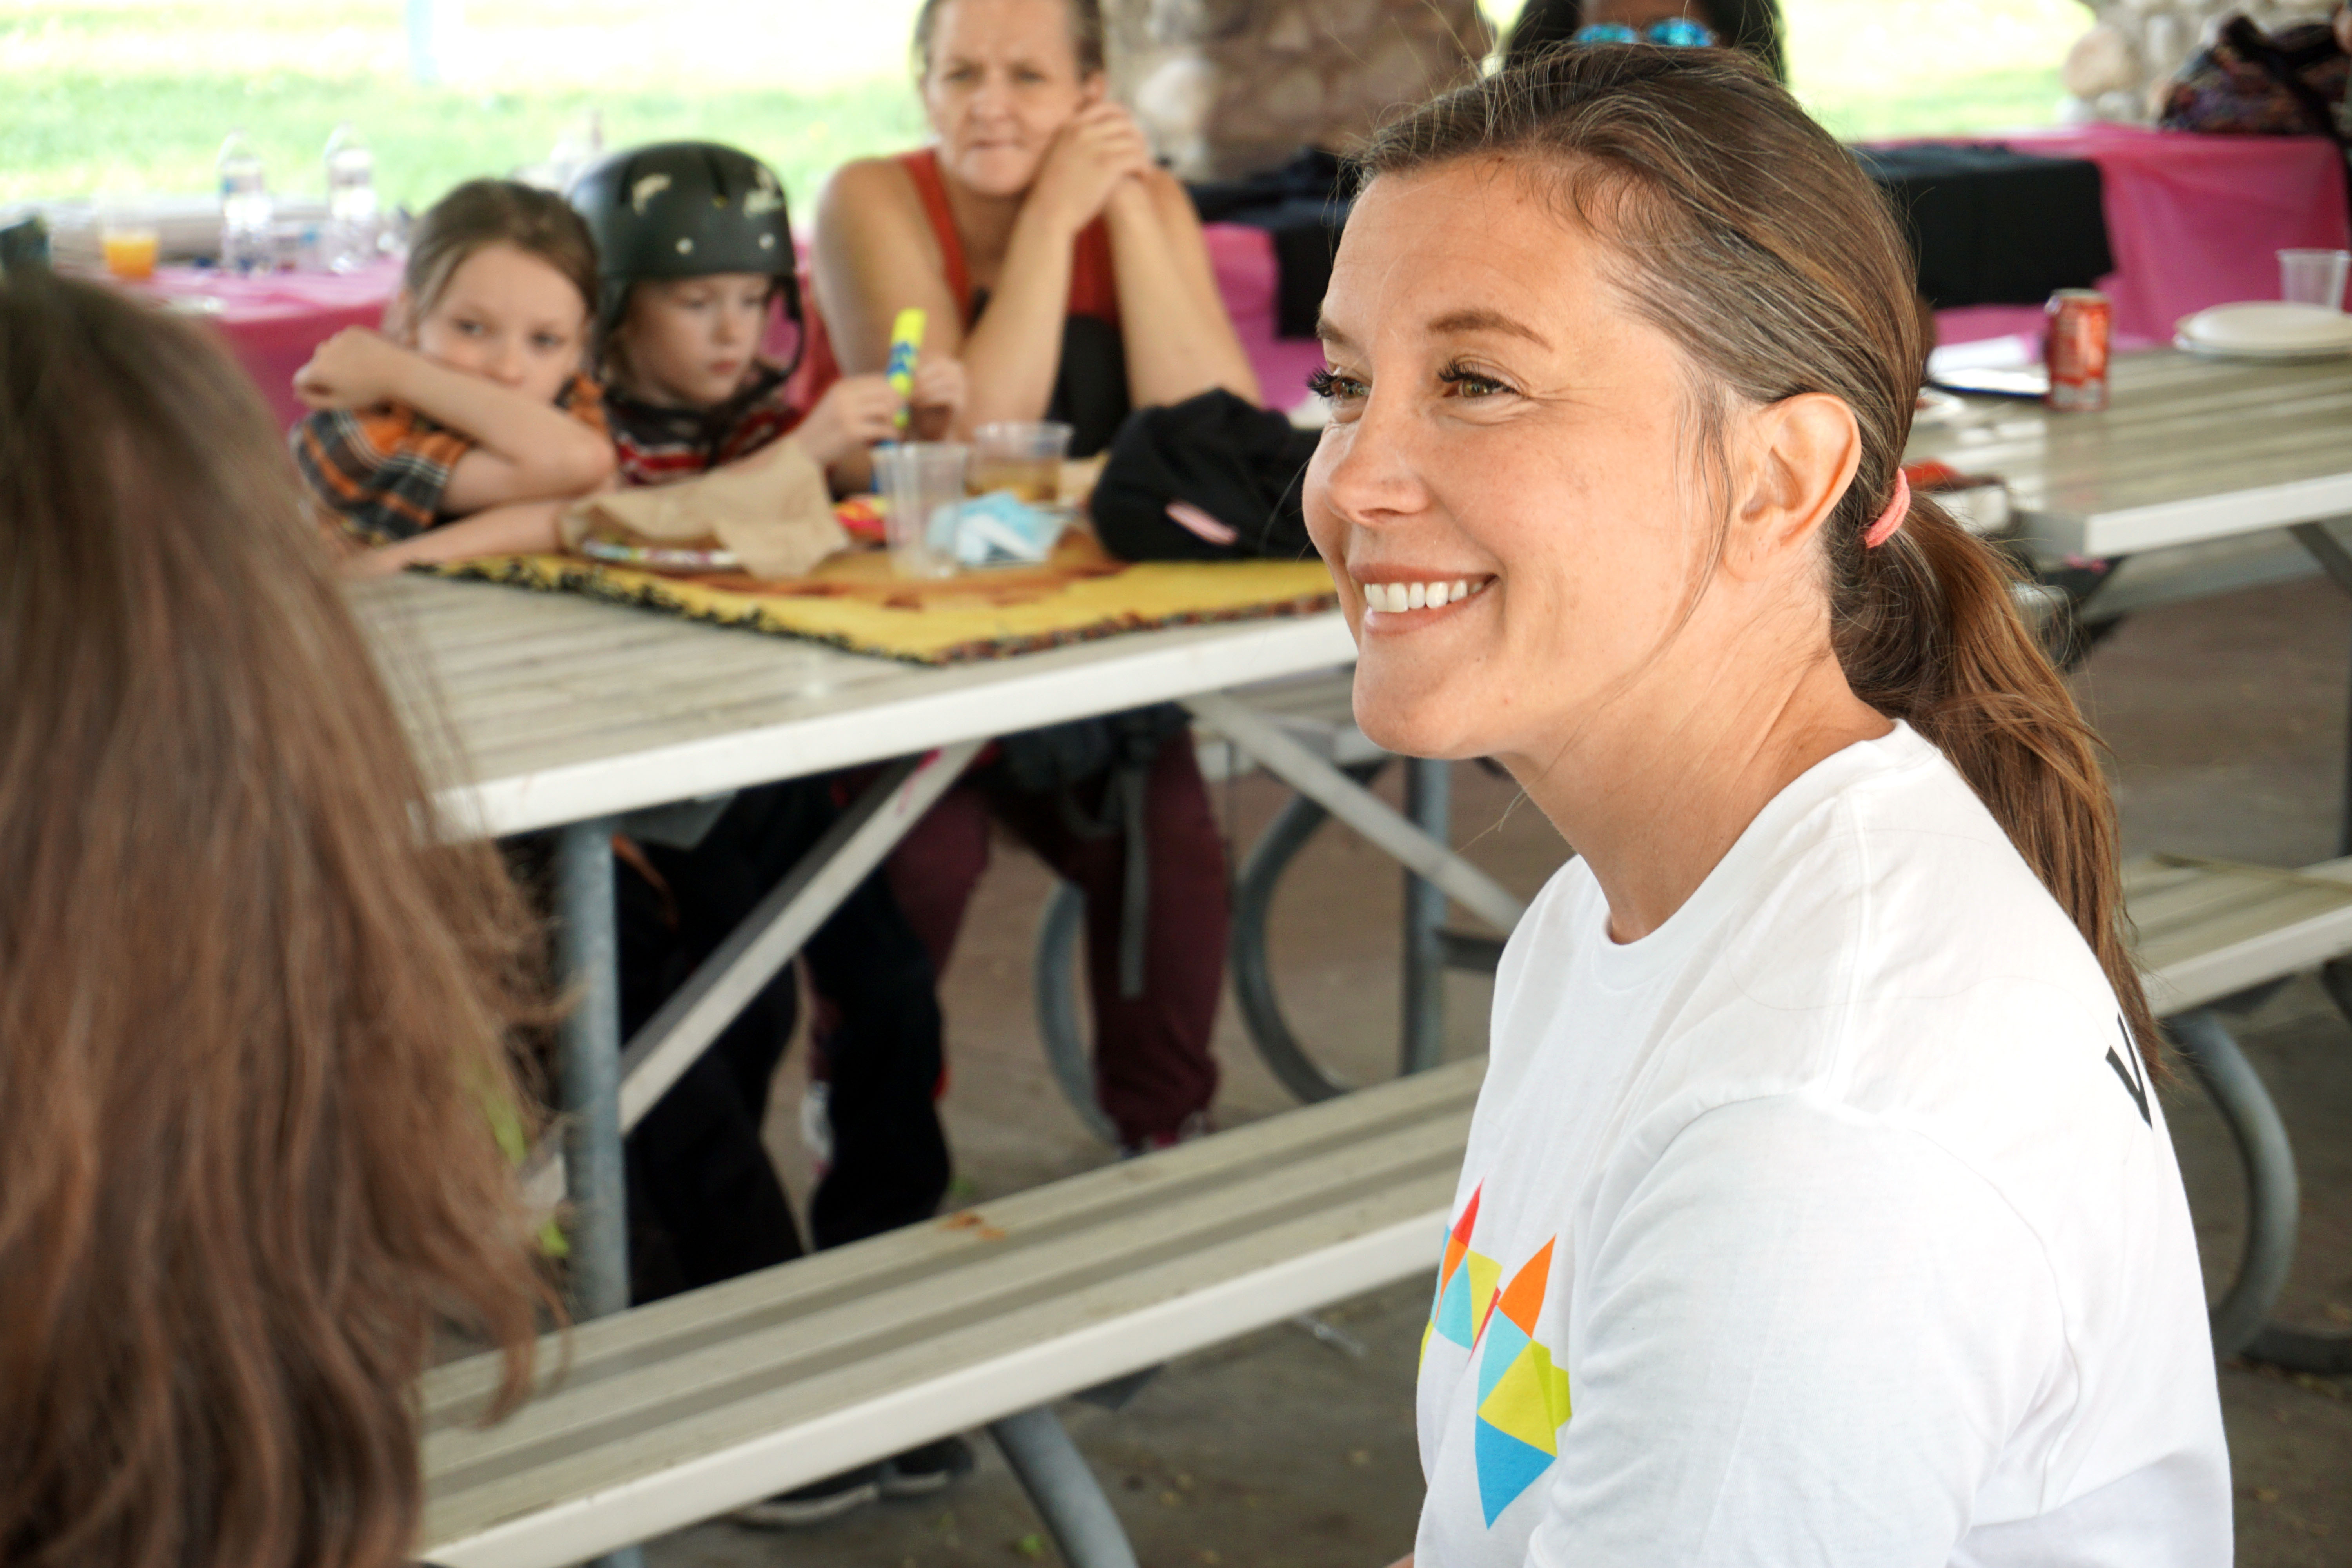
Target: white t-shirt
<point>1832,1223</point>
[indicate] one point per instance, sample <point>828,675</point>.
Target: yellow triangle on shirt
<point>1484,1272</point>
<point>1532,1402</point>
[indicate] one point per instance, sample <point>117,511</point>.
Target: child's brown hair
<point>483,213</point>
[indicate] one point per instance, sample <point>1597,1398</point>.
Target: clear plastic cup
<point>923,481</point>
<point>2314,276</point>
<point>128,239</point>
<point>1022,456</point>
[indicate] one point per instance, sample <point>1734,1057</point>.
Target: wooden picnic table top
<point>2188,449</point>
<point>555,709</point>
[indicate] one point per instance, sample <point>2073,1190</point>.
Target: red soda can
<point>2074,347</point>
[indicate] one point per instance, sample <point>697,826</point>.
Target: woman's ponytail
<point>1751,238</point>
<point>1927,630</point>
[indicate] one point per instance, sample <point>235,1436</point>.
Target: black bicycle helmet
<point>685,209</point>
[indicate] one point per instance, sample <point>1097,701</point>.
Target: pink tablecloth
<point>2193,221</point>
<point>273,321</point>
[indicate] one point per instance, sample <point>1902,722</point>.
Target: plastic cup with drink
<point>1020,456</point>
<point>2314,276</point>
<point>923,487</point>
<point>130,241</point>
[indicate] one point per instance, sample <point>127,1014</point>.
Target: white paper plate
<point>2266,330</point>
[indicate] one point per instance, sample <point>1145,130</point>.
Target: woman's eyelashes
<point>1467,380</point>
<point>1456,380</point>
<point>1333,387</point>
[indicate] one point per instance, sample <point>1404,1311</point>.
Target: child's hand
<point>854,414</point>
<point>356,368</point>
<point>935,399</point>
<point>361,565</point>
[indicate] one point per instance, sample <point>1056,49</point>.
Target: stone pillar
<point>2135,47</point>
<point>1227,87</point>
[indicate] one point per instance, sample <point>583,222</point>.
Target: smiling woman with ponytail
<point>1816,1209</point>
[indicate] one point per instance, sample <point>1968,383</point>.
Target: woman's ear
<point>1800,454</point>
<point>1093,88</point>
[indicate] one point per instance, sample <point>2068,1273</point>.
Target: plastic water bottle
<point>352,214</point>
<point>246,212</point>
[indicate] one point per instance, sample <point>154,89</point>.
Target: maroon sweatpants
<point>1153,1071</point>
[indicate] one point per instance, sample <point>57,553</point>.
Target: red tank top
<point>1094,290</point>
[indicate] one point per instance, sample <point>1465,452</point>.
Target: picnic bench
<point>665,1415</point>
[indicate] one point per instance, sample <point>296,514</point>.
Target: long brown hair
<point>483,213</point>
<point>1745,234</point>
<point>252,1025</point>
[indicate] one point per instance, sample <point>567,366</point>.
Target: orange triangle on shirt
<point>1523,1298</point>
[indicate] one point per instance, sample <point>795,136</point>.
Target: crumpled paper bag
<point>772,511</point>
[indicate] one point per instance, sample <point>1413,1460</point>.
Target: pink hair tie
<point>1897,508</point>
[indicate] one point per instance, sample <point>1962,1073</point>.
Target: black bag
<point>1214,455</point>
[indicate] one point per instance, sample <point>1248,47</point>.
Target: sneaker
<point>1196,1125</point>
<point>933,1467</point>
<point>817,1502</point>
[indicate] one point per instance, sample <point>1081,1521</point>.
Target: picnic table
<point>552,711</point>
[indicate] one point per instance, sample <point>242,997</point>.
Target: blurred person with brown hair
<point>253,1021</point>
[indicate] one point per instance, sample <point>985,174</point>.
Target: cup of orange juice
<point>129,241</point>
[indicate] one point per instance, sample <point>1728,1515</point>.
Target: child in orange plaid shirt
<point>471,427</point>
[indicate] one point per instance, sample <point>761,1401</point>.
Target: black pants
<point>700,1177</point>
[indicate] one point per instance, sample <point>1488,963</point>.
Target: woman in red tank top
<point>1069,274</point>
<point>1037,219</point>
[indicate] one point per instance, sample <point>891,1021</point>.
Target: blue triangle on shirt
<point>1507,1468</point>
<point>1505,1340</point>
<point>1453,1310</point>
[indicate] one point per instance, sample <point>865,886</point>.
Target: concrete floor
<point>2226,717</point>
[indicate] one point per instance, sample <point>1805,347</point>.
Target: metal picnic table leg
<point>757,950</point>
<point>1330,787</point>
<point>1071,1501</point>
<point>2320,540</point>
<point>1429,802</point>
<point>590,1057</point>
<point>2271,1202</point>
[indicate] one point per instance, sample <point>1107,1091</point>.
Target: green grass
<point>130,95</point>
<point>90,132</point>
<point>137,94</point>
<point>1984,101</point>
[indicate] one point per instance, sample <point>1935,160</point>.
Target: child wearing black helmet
<point>695,251</point>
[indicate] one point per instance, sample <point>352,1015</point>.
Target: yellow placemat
<point>853,602</point>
